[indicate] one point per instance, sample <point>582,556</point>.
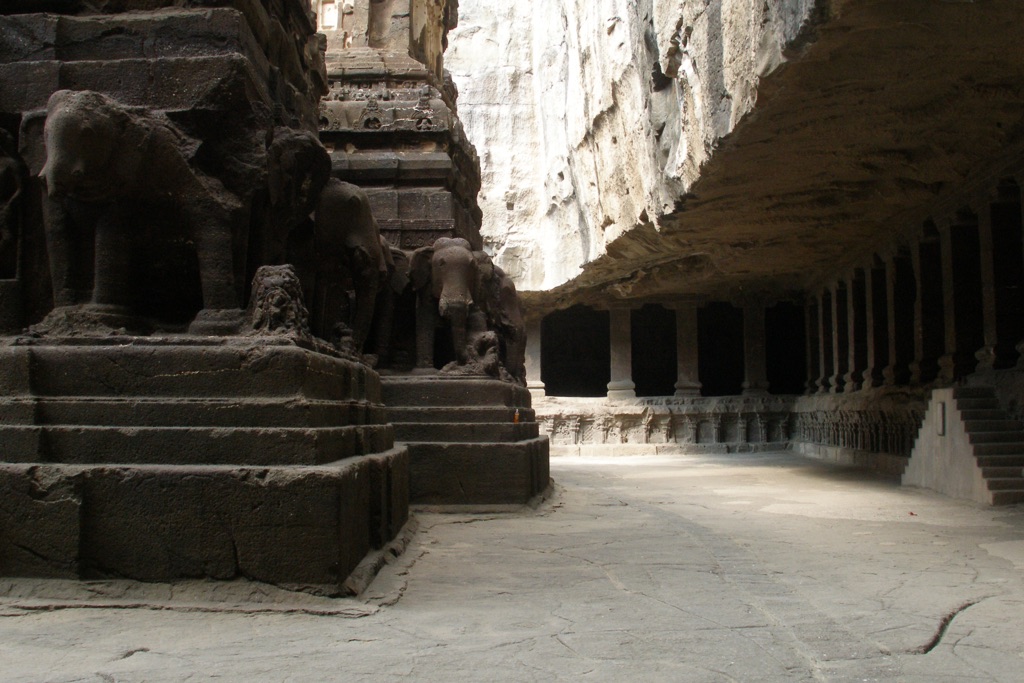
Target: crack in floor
<point>940,632</point>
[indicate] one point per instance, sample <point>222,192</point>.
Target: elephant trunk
<point>457,314</point>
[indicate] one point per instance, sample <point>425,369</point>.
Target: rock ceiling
<point>891,112</point>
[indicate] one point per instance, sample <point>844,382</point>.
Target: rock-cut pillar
<point>533,351</point>
<point>754,362</point>
<point>687,379</point>
<point>621,385</point>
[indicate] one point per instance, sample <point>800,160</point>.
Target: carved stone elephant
<point>109,169</point>
<point>346,240</point>
<point>498,299</point>
<point>444,276</point>
<point>341,243</point>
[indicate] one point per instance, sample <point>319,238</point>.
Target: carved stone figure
<point>11,184</point>
<point>444,276</point>
<point>394,286</point>
<point>498,299</point>
<point>339,246</point>
<point>276,306</point>
<point>346,241</point>
<point>109,169</point>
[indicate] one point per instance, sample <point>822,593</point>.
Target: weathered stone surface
<point>629,166</point>
<point>303,527</point>
<point>472,441</point>
<point>39,512</point>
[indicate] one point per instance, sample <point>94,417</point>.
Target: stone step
<point>996,425</point>
<point>965,404</point>
<point>452,391</point>
<point>471,432</point>
<point>157,368</point>
<point>1000,460</point>
<point>983,414</point>
<point>1005,483</point>
<point>1002,472</point>
<point>478,473</point>
<point>1006,448</point>
<point>1008,497</point>
<point>434,414</point>
<point>171,412</point>
<point>1009,436</point>
<point>190,445</point>
<point>974,392</point>
<point>301,526</point>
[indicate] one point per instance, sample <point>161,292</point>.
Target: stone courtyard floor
<point>766,567</point>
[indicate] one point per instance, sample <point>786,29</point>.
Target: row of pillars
<point>946,306</point>
<point>622,387</point>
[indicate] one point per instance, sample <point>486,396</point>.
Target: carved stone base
<point>471,441</point>
<point>165,458</point>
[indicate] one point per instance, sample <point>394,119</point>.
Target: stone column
<point>754,363</point>
<point>687,375</point>
<point>986,355</point>
<point>533,351</point>
<point>824,341</point>
<point>621,385</point>
<point>838,338</point>
<point>856,328</point>
<point>876,299</point>
<point>811,333</point>
<point>947,361</point>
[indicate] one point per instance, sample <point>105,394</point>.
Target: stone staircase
<point>969,447</point>
<point>998,442</point>
<point>466,445</point>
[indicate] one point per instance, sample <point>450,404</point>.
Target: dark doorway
<point>653,330</point>
<point>720,345</point>
<point>575,359</point>
<point>786,348</point>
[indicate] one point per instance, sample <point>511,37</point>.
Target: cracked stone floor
<point>766,567</point>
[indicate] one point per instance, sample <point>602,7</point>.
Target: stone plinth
<point>166,458</point>
<point>466,445</point>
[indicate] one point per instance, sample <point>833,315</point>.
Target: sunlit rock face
<point>594,117</point>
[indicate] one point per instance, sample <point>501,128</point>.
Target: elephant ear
<point>419,267</point>
<point>400,274</point>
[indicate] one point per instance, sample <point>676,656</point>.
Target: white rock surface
<point>593,117</point>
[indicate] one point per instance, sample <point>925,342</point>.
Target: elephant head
<point>447,272</point>
<point>81,135</point>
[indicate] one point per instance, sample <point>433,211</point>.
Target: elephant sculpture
<point>339,244</point>
<point>444,276</point>
<point>111,169</point>
<point>347,240</point>
<point>498,299</point>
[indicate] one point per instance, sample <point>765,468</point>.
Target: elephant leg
<point>216,265</point>
<point>458,317</point>
<point>385,319</point>
<point>426,323</point>
<point>366,300</point>
<point>112,280</point>
<point>59,251</point>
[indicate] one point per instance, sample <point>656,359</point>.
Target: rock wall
<point>594,117</point>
